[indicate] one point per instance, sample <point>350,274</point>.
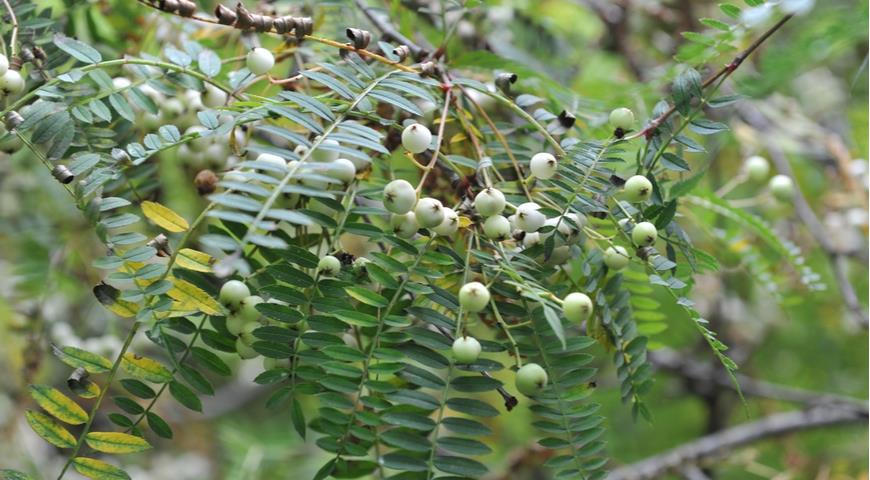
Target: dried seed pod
<point>284,24</point>
<point>161,244</point>
<point>428,69</point>
<point>358,38</point>
<point>245,19</point>
<point>303,26</point>
<point>120,155</point>
<point>504,81</point>
<point>206,182</point>
<point>402,52</point>
<point>170,6</point>
<point>26,56</point>
<point>39,53</point>
<point>13,119</point>
<point>62,174</point>
<point>224,15</point>
<point>186,8</point>
<point>78,380</point>
<point>567,119</point>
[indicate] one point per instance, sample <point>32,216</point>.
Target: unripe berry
<point>259,61</point>
<point>248,311</point>
<point>638,189</point>
<point>244,350</point>
<point>326,151</point>
<point>449,225</point>
<point>429,212</point>
<point>342,169</point>
<point>232,293</point>
<point>201,141</point>
<point>489,202</point>
<point>404,225</point>
<point>558,256</point>
<point>473,297</point>
<point>273,363</point>
<point>757,168</point>
<point>329,266</point>
<point>543,165</point>
<point>399,197</point>
<point>529,219</point>
<point>575,222</point>
<point>466,349</point>
<point>531,379</point>
<point>782,187</point>
<point>12,82</point>
<point>577,307</point>
<point>235,323</point>
<point>213,97</point>
<point>622,118</point>
<point>644,234</point>
<point>277,166</point>
<point>416,138</point>
<point>616,258</point>
<point>531,239</point>
<point>497,228</point>
<point>4,64</point>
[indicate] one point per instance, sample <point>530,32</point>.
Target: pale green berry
<point>529,218</point>
<point>416,138</point>
<point>543,165</point>
<point>638,189</point>
<point>466,349</point>
<point>531,379</point>
<point>644,234</point>
<point>782,187</point>
<point>497,228</point>
<point>473,297</point>
<point>622,118</point>
<point>327,151</point>
<point>259,61</point>
<point>577,307</point>
<point>450,224</point>
<point>329,266</point>
<point>616,258</point>
<point>235,323</point>
<point>489,202</point>
<point>757,168</point>
<point>429,212</point>
<point>399,197</point>
<point>232,293</point>
<point>245,351</point>
<point>404,226</point>
<point>248,310</point>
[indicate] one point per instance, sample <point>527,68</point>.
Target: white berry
<point>616,257</point>
<point>638,189</point>
<point>449,225</point>
<point>232,293</point>
<point>489,202</point>
<point>543,165</point>
<point>248,311</point>
<point>429,212</point>
<point>404,225</point>
<point>644,234</point>
<point>473,297</point>
<point>260,61</point>
<point>577,307</point>
<point>497,227</point>
<point>416,138</point>
<point>11,82</point>
<point>466,349</point>
<point>327,151</point>
<point>757,168</point>
<point>782,187</point>
<point>213,97</point>
<point>531,239</point>
<point>342,169</point>
<point>329,266</point>
<point>4,64</point>
<point>399,197</point>
<point>273,164</point>
<point>529,218</point>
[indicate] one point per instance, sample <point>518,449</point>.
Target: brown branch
<point>718,444</point>
<point>724,72</point>
<point>836,257</point>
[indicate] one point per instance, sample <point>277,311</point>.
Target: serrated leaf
<point>194,260</point>
<point>164,217</point>
<point>58,405</point>
<point>49,429</point>
<point>116,442</point>
<point>78,358</point>
<point>145,368</point>
<point>191,297</point>
<point>98,469</point>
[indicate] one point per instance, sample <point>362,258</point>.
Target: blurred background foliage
<point>587,56</point>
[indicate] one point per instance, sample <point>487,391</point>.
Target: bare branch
<point>718,444</point>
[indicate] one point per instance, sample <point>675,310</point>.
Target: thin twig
<point>724,72</point>
<point>13,39</point>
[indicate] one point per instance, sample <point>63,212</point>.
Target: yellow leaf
<point>123,308</point>
<point>116,442</point>
<point>145,368</point>
<point>191,297</point>
<point>98,469</point>
<point>58,405</point>
<point>194,260</point>
<point>464,222</point>
<point>50,430</point>
<point>77,358</point>
<point>164,217</point>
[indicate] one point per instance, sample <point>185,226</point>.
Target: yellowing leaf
<point>145,368</point>
<point>164,217</point>
<point>116,442</point>
<point>98,469</point>
<point>58,405</point>
<point>191,297</point>
<point>50,430</point>
<point>464,222</point>
<point>77,358</point>
<point>194,260</point>
<point>123,308</point>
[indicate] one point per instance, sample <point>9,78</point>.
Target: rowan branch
<point>718,444</point>
<point>724,72</point>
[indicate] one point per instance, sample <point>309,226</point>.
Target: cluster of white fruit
<point>11,81</point>
<point>243,319</point>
